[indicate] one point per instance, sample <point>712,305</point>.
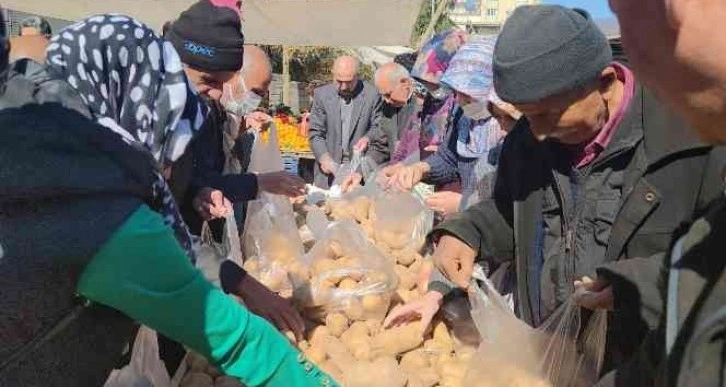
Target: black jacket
<point>65,186</point>
<point>614,218</point>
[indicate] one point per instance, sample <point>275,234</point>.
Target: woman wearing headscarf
<point>475,140</point>
<point>90,234</point>
<point>427,127</point>
<point>474,134</point>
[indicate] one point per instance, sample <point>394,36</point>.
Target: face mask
<point>475,110</point>
<point>249,102</point>
<point>440,94</point>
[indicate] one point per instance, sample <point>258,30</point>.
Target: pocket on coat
<point>605,212</point>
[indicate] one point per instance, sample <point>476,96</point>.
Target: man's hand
<point>422,309</point>
<point>406,178</point>
<point>257,121</point>
<point>327,165</point>
<point>597,294</point>
<point>270,306</point>
<point>281,183</point>
<point>211,204</point>
<point>351,182</point>
<point>455,259</point>
<point>362,144</point>
<point>445,202</point>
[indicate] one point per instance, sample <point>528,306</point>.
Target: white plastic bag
<point>145,368</point>
<point>211,254</point>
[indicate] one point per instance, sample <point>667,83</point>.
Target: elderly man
<point>34,36</point>
<point>345,116</point>
<point>677,48</point>
<point>588,182</point>
<point>396,87</point>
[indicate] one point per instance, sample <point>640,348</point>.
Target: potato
<point>453,370</point>
<point>374,326</point>
<point>347,284</point>
<point>415,360</point>
<point>197,363</point>
<point>361,208</point>
<point>334,250</point>
<point>465,353</point>
<point>197,379</point>
<point>227,381</point>
<point>332,370</point>
<point>298,271</point>
<point>422,378</point>
<point>406,257</point>
<point>362,350</point>
<point>383,372</point>
<point>317,334</point>
<point>406,277</point>
<point>442,338</point>
<point>374,303</point>
<point>315,354</point>
<point>354,310</point>
<point>337,323</point>
<point>323,265</point>
<point>398,340</point>
<point>357,329</point>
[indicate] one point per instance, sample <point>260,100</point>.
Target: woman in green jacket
<point>88,225</point>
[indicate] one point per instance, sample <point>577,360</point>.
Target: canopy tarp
<point>283,22</point>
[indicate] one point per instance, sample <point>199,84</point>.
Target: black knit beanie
<point>545,50</point>
<point>208,38</point>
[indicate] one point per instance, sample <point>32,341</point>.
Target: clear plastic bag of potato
<point>401,220</point>
<point>271,241</point>
<point>564,351</point>
<point>346,273</point>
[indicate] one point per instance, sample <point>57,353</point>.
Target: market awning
<point>285,22</point>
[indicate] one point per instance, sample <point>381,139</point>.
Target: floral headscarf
<point>134,84</point>
<point>434,57</point>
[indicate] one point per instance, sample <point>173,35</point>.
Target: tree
<point>424,18</point>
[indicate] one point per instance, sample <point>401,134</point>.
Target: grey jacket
<point>613,219</point>
<point>326,127</point>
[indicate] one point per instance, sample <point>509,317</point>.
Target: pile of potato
<point>199,373</point>
<point>363,354</point>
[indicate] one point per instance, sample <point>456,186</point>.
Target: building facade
<point>484,17</point>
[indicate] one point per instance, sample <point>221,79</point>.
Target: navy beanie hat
<point>208,38</point>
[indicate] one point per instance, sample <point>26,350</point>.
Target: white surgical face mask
<point>440,94</point>
<point>476,110</point>
<point>241,107</point>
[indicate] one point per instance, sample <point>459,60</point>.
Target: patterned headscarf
<point>434,57</point>
<point>133,83</point>
<point>470,70</point>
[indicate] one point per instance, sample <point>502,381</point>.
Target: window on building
<point>492,12</point>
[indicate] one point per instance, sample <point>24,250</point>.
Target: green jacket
<point>613,218</point>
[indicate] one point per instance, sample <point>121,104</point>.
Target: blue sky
<point>598,8</point>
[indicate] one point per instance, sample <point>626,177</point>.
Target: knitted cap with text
<point>208,38</point>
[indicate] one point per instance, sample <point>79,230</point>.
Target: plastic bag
<point>271,239</point>
<point>346,273</point>
<point>559,353</point>
<point>145,368</point>
<point>401,220</point>
<point>211,254</point>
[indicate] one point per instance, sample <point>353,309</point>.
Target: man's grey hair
<point>394,73</point>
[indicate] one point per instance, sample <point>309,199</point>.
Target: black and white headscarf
<point>134,84</point>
